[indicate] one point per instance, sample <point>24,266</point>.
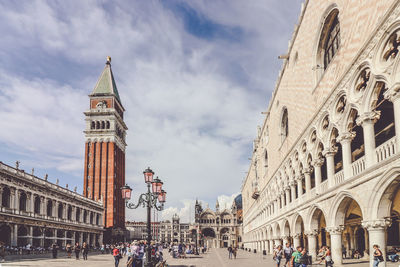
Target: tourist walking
<point>288,251</point>
<point>77,250</point>
<point>85,250</point>
<point>69,250</point>
<point>278,255</point>
<point>230,252</point>
<point>234,252</point>
<point>378,256</point>
<point>328,257</point>
<point>117,256</point>
<point>296,256</point>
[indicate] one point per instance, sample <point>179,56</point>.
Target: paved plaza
<point>213,258</point>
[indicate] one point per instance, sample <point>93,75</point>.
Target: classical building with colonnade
<point>40,213</point>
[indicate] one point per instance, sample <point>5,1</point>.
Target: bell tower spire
<point>105,135</point>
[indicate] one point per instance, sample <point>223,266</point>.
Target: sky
<point>193,76</point>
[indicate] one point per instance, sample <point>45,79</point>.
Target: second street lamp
<point>148,200</point>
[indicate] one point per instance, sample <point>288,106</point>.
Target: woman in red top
<point>117,256</point>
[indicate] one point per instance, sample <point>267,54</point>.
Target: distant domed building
<point>219,228</point>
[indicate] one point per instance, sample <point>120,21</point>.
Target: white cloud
<point>192,104</point>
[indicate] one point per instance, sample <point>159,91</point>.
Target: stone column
<point>299,186</point>
<point>293,190</point>
<point>283,200</point>
<point>80,238</point>
<point>377,230</point>
<point>43,236</point>
<point>336,243</point>
<point>55,236</point>
<point>394,96</point>
<point>30,202</point>
<point>14,235</point>
<point>73,216</point>
<point>55,209</point>
<point>312,243</point>
<point>367,121</point>
<point>42,205</point>
<point>285,240</point>
<point>345,140</point>
<point>317,171</point>
<point>12,197</point>
<point>307,177</point>
<point>30,233</point>
<point>101,238</point>
<point>330,166</point>
<point>16,200</point>
<point>271,246</point>
<point>296,240</point>
<point>287,195</point>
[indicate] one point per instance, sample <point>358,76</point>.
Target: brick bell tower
<point>104,172</point>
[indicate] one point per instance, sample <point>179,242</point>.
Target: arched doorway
<point>318,223</point>
<point>69,237</point>
<point>354,238</point>
<point>22,236</point>
<point>48,241</point>
<point>5,234</point>
<point>300,238</point>
<point>225,240</point>
<point>37,236</point>
<point>208,238</point>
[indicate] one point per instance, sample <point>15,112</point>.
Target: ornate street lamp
<point>148,200</point>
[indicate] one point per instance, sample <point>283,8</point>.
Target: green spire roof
<point>106,83</point>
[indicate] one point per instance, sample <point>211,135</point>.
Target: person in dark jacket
<point>77,250</point>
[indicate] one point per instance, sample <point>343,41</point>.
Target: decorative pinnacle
<point>108,60</point>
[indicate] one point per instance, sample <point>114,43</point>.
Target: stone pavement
<point>213,258</point>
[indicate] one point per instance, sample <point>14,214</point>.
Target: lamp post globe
<point>157,185</point>
<point>126,192</point>
<point>148,175</point>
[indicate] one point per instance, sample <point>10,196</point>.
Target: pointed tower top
<point>106,83</point>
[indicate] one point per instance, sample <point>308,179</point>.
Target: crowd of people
<point>299,257</point>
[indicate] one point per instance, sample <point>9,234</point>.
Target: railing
<point>358,166</point>
<point>324,186</point>
<point>386,150</point>
<point>339,177</point>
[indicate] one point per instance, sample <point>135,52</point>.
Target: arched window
<point>333,41</point>
<point>284,124</point>
<point>107,125</point>
<point>22,201</point>
<point>37,205</point>
<point>84,216</point>
<point>78,214</point>
<point>5,198</point>
<point>49,208</point>
<point>97,125</point>
<point>69,213</point>
<point>329,42</point>
<point>97,219</point>
<point>103,125</point>
<point>91,218</point>
<point>93,125</point>
<point>60,210</point>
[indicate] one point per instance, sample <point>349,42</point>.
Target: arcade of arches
<point>335,179</point>
<point>34,211</point>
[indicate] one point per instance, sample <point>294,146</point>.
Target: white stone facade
<point>36,212</point>
<point>325,166</point>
